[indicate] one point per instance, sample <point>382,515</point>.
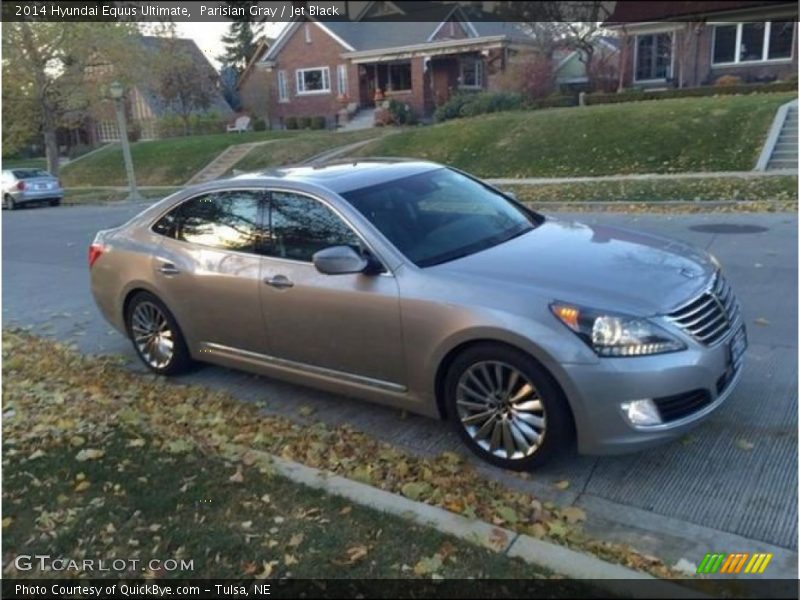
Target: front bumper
<point>596,392</point>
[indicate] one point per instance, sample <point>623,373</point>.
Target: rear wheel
<point>156,336</point>
<point>506,407</point>
<point>9,202</point>
<point>55,202</point>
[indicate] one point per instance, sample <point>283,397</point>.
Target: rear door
<point>207,268</point>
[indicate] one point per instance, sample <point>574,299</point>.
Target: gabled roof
<point>160,45</point>
<point>395,30</point>
<point>262,46</point>
<point>631,11</point>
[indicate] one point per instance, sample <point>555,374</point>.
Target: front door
<point>347,323</point>
<point>207,268</point>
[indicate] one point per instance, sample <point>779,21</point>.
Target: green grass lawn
<point>174,161</point>
<point>25,163</point>
<point>169,161</point>
<point>688,134</point>
<point>778,190</point>
<point>301,148</point>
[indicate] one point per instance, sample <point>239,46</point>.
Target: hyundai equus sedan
<point>420,287</point>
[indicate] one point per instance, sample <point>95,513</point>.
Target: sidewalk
<point>640,177</point>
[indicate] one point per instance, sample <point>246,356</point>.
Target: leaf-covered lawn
<point>759,193</point>
<point>666,136</point>
<point>60,406</point>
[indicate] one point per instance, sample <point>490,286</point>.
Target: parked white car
<point>21,186</point>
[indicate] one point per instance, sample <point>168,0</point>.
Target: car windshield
<point>30,173</point>
<point>440,215</point>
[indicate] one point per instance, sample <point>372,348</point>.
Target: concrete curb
<point>559,559</point>
<point>773,135</point>
<point>639,177</point>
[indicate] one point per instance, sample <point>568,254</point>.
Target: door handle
<point>168,269</point>
<point>279,281</point>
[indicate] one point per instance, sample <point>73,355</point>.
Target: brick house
<point>686,44</point>
<point>317,68</point>
<point>253,83</point>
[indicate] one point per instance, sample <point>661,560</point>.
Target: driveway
<point>731,485</point>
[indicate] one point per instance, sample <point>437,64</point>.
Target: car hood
<point>598,266</point>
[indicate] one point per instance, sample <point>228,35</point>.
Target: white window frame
<point>341,79</point>
<point>479,73</point>
<point>283,88</point>
<point>737,51</point>
<point>326,81</point>
<point>671,57</point>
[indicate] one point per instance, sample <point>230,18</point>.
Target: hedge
<point>709,90</point>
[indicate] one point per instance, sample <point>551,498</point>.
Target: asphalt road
<point>732,482</point>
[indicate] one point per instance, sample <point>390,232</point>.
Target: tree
<point>45,82</point>
<point>240,44</point>
<point>186,84</point>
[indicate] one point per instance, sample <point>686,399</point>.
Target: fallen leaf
<point>89,454</point>
<point>346,510</point>
<point>415,489</point>
<point>428,565</point>
<point>289,560</point>
<point>83,486</point>
<point>237,477</point>
<point>498,539</point>
<point>573,514</point>
<point>296,540</point>
<point>761,321</point>
<point>37,454</point>
<point>137,443</point>
<point>744,444</point>
<point>7,521</point>
<point>508,514</point>
<point>306,411</point>
<point>268,567</point>
<point>561,485</point>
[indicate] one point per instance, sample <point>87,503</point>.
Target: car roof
<point>345,175</point>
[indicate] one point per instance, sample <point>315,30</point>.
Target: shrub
<point>471,104</point>
<point>452,108</point>
<point>637,95</point>
<point>290,122</point>
<point>401,113</point>
<point>317,122</point>
<point>727,80</point>
<point>303,122</point>
<point>259,124</point>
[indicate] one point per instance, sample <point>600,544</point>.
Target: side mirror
<point>339,260</point>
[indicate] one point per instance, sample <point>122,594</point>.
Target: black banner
<point>208,589</point>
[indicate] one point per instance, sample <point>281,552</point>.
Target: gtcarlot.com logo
<point>741,562</point>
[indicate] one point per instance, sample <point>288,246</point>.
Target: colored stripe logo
<point>741,562</point>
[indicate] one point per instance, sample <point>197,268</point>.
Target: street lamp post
<point>117,93</point>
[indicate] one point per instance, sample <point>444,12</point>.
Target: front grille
<point>672,408</point>
<point>709,317</point>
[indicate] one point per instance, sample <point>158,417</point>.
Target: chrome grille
<point>709,317</point>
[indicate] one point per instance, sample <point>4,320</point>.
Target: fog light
<point>641,412</point>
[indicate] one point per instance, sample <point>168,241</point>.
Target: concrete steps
<point>223,162</point>
<point>363,119</point>
<point>784,154</point>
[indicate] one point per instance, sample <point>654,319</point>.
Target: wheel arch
<point>538,356</point>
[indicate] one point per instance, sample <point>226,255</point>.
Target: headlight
<point>616,335</point>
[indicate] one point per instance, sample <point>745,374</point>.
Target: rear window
<point>30,173</point>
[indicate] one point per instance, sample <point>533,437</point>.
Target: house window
<point>471,73</point>
<point>753,42</point>
<point>341,79</point>
<point>399,77</point>
<point>107,131</point>
<point>653,56</point>
<point>313,81</point>
<point>283,90</point>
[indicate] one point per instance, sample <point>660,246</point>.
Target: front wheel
<point>506,407</point>
<point>156,336</point>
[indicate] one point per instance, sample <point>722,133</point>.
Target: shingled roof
<point>629,11</point>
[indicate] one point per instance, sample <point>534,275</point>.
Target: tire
<point>518,434</point>
<point>10,203</point>
<point>145,317</point>
<point>55,202</point>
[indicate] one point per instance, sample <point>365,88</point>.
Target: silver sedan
<point>23,186</point>
<point>420,287</point>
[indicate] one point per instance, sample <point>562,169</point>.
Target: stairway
<point>223,163</point>
<point>784,154</point>
<point>363,119</point>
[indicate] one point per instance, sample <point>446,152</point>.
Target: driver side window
<point>300,226</point>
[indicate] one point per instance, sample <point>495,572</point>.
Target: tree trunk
<point>51,150</point>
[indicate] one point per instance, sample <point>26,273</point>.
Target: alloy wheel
<point>501,410</point>
<point>152,335</point>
